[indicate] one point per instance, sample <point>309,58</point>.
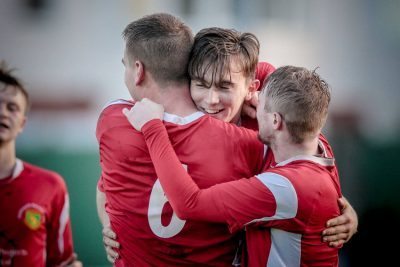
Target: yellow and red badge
<point>33,218</point>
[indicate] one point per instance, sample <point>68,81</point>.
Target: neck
<point>7,159</point>
<point>175,99</point>
<point>284,148</point>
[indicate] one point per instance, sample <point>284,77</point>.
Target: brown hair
<point>9,80</point>
<point>302,97</point>
<point>214,48</point>
<point>162,43</point>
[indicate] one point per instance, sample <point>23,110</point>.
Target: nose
<point>213,96</point>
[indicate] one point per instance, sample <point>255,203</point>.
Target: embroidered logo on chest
<point>32,215</point>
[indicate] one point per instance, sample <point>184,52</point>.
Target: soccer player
<point>213,51</point>
<point>221,46</point>
<point>35,228</point>
<point>290,201</point>
<point>157,50</point>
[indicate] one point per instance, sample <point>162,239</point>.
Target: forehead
<point>9,93</point>
<point>231,71</point>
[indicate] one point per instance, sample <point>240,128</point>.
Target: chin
<point>264,140</point>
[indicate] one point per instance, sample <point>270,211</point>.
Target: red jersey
<point>283,209</point>
<point>34,227</point>
<point>149,232</point>
<point>264,69</point>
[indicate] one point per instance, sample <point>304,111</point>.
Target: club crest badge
<point>33,219</point>
<point>32,215</point>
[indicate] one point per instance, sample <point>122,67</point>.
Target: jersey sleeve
<point>236,203</point>
<point>59,234</point>
<point>264,69</point>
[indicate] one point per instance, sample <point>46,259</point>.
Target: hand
<point>142,112</point>
<point>250,106</point>
<point>110,244</point>
<point>343,227</point>
<point>72,262</point>
<point>75,263</point>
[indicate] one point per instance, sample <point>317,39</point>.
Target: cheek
<point>126,78</point>
<point>19,125</point>
<point>234,101</point>
<point>197,96</point>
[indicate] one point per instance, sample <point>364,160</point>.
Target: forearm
<point>187,200</point>
<point>101,210</point>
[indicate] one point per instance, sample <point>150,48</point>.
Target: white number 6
<point>156,204</point>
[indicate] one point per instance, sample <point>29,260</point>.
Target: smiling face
<point>12,113</point>
<point>223,99</point>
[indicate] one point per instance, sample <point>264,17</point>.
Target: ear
<point>139,72</point>
<point>253,86</point>
<point>278,121</point>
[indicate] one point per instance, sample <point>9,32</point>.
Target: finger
<point>334,238</point>
<point>125,111</point>
<point>107,232</point>
<point>342,203</point>
<point>110,259</point>
<point>110,242</point>
<point>337,244</point>
<point>254,100</point>
<point>344,228</point>
<point>342,219</point>
<point>249,111</point>
<point>112,252</point>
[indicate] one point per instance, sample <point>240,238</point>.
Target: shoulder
<point>324,144</point>
<point>111,116</point>
<point>44,175</point>
<point>264,69</point>
<point>116,105</point>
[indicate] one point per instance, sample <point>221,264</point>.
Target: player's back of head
<point>302,97</point>
<point>162,42</point>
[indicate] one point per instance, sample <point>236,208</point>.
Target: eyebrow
<point>225,82</point>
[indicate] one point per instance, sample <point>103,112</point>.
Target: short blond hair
<point>302,98</point>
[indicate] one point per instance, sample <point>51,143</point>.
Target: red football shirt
<point>293,199</point>
<point>34,227</point>
<point>149,232</point>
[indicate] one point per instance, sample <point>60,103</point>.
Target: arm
<point>235,203</point>
<point>264,69</point>
<point>59,247</point>
<point>343,227</point>
<point>101,207</point>
<point>109,236</point>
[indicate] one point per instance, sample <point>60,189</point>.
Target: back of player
<point>149,232</point>
<point>293,234</point>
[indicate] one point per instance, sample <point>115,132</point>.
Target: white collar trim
<point>182,120</point>
<point>324,160</point>
<point>19,167</point>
